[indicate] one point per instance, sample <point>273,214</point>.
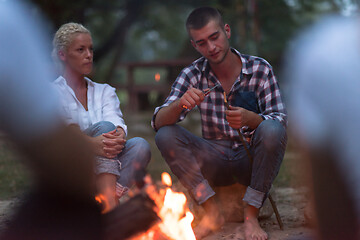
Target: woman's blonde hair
<point>64,36</point>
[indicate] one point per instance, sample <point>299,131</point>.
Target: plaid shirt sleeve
<point>270,101</point>
<point>186,78</point>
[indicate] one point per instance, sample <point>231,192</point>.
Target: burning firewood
<point>154,212</point>
<point>171,207</point>
<point>130,218</point>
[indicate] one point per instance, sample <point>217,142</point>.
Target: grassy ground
<point>14,177</point>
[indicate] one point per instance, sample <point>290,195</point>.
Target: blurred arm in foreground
<point>61,205</point>
<point>57,155</point>
<point>324,68</point>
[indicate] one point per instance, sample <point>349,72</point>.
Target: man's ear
<point>227,30</point>
<point>61,55</point>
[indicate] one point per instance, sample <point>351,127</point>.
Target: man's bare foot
<point>211,222</point>
<point>252,230</point>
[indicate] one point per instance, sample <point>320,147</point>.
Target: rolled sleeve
<point>106,165</point>
<point>154,116</point>
<point>271,101</point>
<point>202,192</point>
<point>254,198</point>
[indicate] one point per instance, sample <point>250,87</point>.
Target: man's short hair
<point>199,17</point>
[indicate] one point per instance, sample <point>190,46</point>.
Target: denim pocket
<point>246,100</point>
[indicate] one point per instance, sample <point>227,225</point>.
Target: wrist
<point>121,131</point>
<point>255,121</point>
<point>94,144</point>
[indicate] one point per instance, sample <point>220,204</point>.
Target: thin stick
<point>240,135</point>
<point>277,214</point>
<point>273,204</point>
<point>205,93</point>
<point>208,91</point>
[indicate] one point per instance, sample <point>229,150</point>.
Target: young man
<point>219,158</point>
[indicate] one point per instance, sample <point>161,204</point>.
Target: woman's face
<point>78,57</point>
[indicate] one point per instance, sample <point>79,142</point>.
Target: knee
<point>272,134</point>
<point>99,128</point>
<point>142,148</point>
<point>165,135</point>
<point>105,126</point>
<point>141,143</point>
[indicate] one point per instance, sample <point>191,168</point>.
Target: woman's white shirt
<point>102,102</point>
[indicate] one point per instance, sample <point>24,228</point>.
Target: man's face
<point>79,55</point>
<point>211,41</point>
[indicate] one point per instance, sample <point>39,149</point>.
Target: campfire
<point>172,209</point>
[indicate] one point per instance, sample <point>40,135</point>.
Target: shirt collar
<point>202,64</point>
<point>62,80</point>
<point>89,82</point>
<point>246,64</point>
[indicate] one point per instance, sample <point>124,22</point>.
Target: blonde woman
<point>95,109</point>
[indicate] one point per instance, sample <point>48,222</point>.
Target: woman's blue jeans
<point>135,156</point>
<point>200,163</point>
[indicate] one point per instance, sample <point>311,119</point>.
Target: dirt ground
<point>290,202</point>
<point>291,205</point>
<point>6,208</point>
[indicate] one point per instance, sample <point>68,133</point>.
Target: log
<point>130,218</point>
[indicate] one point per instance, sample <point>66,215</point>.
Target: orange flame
<point>175,217</point>
<point>157,77</point>
<point>166,179</point>
<point>103,202</point>
<point>100,198</point>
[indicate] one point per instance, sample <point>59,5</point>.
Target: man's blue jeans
<point>135,156</point>
<point>200,163</point>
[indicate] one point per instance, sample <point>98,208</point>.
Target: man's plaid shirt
<point>256,80</point>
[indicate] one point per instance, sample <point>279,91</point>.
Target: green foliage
<point>146,30</point>
<point>275,31</point>
<point>157,37</point>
